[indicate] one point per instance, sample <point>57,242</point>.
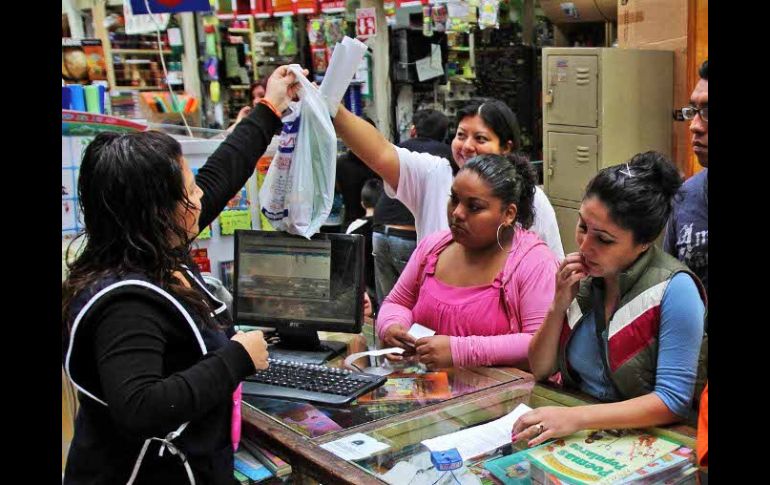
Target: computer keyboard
<point>308,382</point>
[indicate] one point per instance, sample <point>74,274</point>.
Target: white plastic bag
<point>314,165</point>
<point>298,191</point>
<point>276,186</point>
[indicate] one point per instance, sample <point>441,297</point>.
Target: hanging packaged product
<point>439,14</point>
<point>474,3</point>
<point>390,13</point>
<point>287,40</point>
<point>319,59</point>
<point>315,32</point>
<point>211,66</point>
<point>214,91</point>
<point>334,30</point>
<point>427,21</point>
<point>210,30</point>
<point>473,16</point>
<point>488,13</point>
<point>457,16</point>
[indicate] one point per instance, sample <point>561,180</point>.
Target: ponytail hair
<point>639,194</point>
<point>511,179</point>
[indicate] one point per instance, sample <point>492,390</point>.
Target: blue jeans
<point>391,253</point>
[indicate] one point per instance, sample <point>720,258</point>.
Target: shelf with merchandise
<point>133,60</point>
<point>140,51</point>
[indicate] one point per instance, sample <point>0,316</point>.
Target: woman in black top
<point>152,353</point>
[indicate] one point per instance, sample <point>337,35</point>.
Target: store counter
<point>296,431</point>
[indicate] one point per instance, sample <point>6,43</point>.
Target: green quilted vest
<point>630,340</point>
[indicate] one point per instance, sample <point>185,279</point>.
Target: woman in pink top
<point>486,284</point>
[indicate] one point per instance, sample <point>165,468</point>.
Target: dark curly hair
<point>639,194</point>
<point>511,179</point>
<point>130,189</point>
<point>497,116</point>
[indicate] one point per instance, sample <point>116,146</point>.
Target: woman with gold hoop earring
<point>483,288</point>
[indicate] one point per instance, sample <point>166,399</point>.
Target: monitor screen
<point>283,281</point>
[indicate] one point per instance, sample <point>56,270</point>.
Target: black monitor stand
<point>303,345</point>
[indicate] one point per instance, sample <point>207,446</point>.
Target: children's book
<point>600,457</point>
<point>411,387</point>
<point>241,478</point>
<point>664,468</point>
<point>277,466</point>
<point>246,464</point>
<point>307,419</point>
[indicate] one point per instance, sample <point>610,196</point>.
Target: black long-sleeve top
<point>148,366</point>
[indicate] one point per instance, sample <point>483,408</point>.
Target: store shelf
<point>460,49</point>
<point>140,88</point>
<point>239,86</point>
<point>462,79</point>
<point>238,31</point>
<point>139,51</point>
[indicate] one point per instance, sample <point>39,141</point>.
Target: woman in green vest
<point>626,324</point>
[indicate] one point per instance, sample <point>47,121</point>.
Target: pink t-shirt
<point>488,324</point>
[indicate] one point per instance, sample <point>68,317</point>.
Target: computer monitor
<point>300,286</point>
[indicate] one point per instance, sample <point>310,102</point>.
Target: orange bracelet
<point>270,105</point>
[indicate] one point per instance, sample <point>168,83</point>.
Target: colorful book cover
<point>83,60</point>
<point>411,387</point>
<point>307,419</point>
<point>276,465</point>
<point>599,457</point>
<point>250,466</point>
<point>506,468</point>
<point>664,467</point>
<point>241,478</point>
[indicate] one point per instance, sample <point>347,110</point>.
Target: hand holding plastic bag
<point>298,190</point>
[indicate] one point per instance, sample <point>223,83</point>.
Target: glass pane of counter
<point>404,436</point>
<point>313,420</point>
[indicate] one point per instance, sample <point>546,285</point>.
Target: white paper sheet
<point>418,331</point>
<point>345,60</point>
<point>402,473</point>
<point>431,66</point>
<point>478,440</point>
<point>355,447</point>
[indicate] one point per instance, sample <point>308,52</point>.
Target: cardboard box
<point>649,21</point>
<point>560,12</point>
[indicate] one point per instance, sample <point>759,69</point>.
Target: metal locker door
<point>566,219</point>
<point>571,91</point>
<point>571,161</point>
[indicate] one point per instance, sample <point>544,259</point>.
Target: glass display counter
<point>296,431</point>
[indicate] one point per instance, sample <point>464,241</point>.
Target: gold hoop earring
<point>512,238</point>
